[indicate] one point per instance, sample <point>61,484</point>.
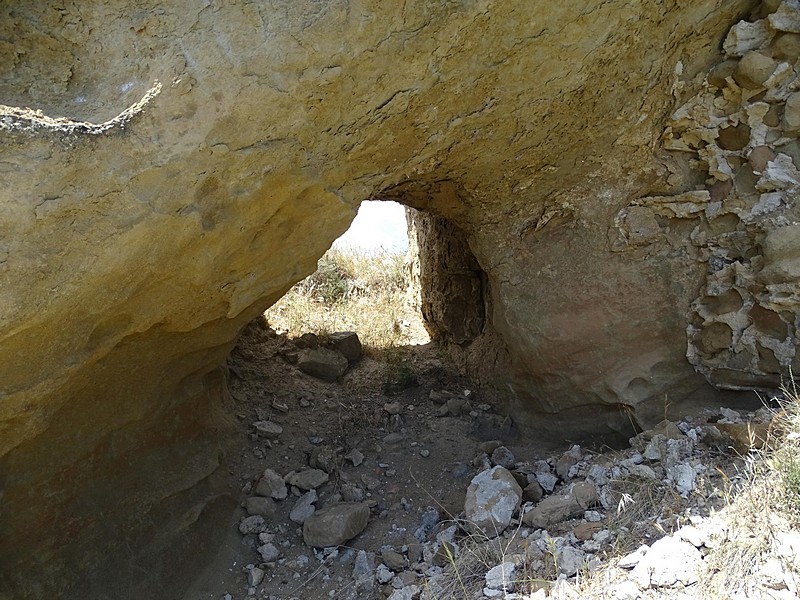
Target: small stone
<point>533,492</point>
<point>269,552</point>
<point>336,524</point>
<point>501,577</point>
<point>489,447</point>
<point>258,505</point>
<point>564,464</point>
<point>271,484</point>
<point>355,456</point>
<point>307,479</point>
<point>393,408</point>
<point>252,524</point>
<point>363,572</point>
<point>585,531</point>
<point>268,429</point>
<point>557,508</point>
<point>280,406</point>
<point>593,516</point>
<point>304,507</point>
<point>383,574</point>
<point>407,593</point>
<point>503,457</point>
<point>570,560</point>
<point>745,36</point>
<point>492,498</point>
<point>424,453</point>
<point>393,559</point>
<point>255,576</point>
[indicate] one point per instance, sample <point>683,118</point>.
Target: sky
<point>379,224</point>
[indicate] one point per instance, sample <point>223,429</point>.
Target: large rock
<point>336,524</point>
<point>323,363</point>
<point>208,155</point>
<point>492,498</point>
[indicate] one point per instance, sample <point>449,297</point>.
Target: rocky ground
<point>399,481</point>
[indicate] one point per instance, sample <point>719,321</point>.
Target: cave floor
<point>411,462</point>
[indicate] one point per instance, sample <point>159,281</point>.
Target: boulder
<point>492,498</point>
<point>322,363</point>
<point>336,524</point>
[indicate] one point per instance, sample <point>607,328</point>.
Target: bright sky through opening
<point>378,224</point>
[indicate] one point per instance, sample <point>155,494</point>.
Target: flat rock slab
<point>336,524</point>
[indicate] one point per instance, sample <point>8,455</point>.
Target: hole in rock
<point>397,427</point>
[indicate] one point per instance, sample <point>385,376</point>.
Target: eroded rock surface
<point>131,257</point>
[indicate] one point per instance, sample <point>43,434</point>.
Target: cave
<point>170,173</point>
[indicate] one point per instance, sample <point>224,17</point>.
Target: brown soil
<point>335,418</point>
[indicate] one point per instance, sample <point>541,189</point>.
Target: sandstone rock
<point>348,344</point>
<point>492,498</point>
<point>258,505</point>
<point>128,269</point>
<point>668,562</point>
<point>745,36</point>
<point>557,508</point>
<point>787,17</point>
<point>307,479</point>
<point>323,363</point>
<point>271,484</point>
<point>336,524</point>
<point>754,69</point>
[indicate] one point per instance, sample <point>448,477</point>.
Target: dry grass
<point>756,499</point>
<point>353,290</point>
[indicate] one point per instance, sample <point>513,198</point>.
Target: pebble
<point>268,429</point>
<point>424,453</point>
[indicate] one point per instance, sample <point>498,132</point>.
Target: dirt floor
<point>415,462</point>
<point>381,436</point>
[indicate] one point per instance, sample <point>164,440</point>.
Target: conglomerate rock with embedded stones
<point>170,169</point>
